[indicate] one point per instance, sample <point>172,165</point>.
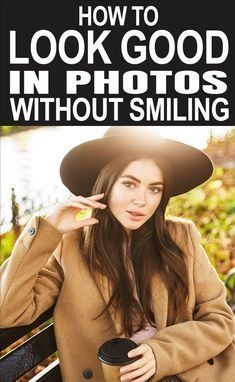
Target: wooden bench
<point>19,361</point>
<point>34,350</point>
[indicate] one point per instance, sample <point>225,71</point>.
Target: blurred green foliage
<point>230,285</point>
<point>212,208</point>
<point>6,244</point>
<point>5,130</point>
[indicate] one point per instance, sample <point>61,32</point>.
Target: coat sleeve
<point>185,345</point>
<point>30,279</point>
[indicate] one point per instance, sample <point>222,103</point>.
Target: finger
<point>90,203</point>
<point>142,349</point>
<point>145,377</point>
<point>75,205</point>
<point>92,197</point>
<point>136,373</point>
<point>85,222</point>
<point>96,197</point>
<point>140,364</point>
<point>133,366</point>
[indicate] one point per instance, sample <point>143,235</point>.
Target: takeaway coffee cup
<point>113,355</point>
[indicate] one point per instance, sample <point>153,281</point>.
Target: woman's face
<point>136,194</point>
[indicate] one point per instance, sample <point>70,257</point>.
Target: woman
<point>125,271</point>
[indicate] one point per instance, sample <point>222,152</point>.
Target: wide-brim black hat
<point>81,166</point>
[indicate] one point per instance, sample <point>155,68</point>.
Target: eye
<point>155,189</point>
<point>128,184</point>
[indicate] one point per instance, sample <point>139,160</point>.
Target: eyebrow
<point>138,181</point>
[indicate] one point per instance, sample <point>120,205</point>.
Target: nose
<point>139,199</point>
<point>138,203</point>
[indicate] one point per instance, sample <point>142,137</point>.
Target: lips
<point>135,213</point>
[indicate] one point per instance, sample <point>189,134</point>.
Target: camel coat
<point>46,268</point>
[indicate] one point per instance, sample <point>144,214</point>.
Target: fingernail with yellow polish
<point>83,214</point>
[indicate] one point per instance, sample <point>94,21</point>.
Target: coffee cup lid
<point>114,351</point>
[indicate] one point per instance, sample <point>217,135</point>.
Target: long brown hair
<point>152,250</point>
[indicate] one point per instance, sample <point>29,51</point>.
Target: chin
<point>132,227</point>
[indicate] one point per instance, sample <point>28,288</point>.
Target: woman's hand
<point>63,215</point>
<point>142,369</point>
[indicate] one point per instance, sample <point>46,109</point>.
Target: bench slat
<point>22,359</point>
<point>51,373</point>
<point>10,335</point>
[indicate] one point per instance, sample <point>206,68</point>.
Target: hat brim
<point>81,166</point>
